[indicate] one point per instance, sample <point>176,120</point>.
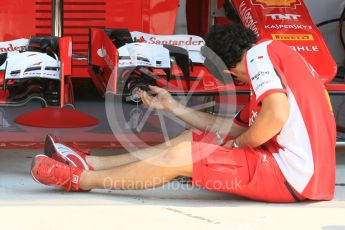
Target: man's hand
<point>197,119</point>
<point>162,101</point>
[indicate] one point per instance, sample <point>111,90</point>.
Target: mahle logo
<point>277,3</point>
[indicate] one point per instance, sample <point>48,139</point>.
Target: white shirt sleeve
<point>262,74</point>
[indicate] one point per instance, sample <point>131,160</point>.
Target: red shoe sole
<point>52,152</point>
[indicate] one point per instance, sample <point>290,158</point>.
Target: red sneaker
<point>68,155</point>
<point>48,171</point>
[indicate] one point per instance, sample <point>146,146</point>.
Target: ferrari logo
<point>277,3</point>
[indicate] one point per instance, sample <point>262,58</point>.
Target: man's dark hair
<point>229,42</point>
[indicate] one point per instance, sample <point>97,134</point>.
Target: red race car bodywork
<point>84,22</point>
<point>112,77</point>
<point>34,18</point>
<point>289,21</point>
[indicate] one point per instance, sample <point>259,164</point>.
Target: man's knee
<point>180,156</point>
<point>186,135</point>
<point>188,132</point>
<point>179,150</point>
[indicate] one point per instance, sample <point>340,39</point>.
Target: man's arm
<point>206,121</point>
<point>197,119</point>
<point>271,119</point>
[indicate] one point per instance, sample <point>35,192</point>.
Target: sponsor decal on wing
<point>293,37</point>
<point>277,3</point>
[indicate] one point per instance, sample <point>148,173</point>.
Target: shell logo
<point>277,3</point>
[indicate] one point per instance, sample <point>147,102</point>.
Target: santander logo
<point>14,45</point>
<point>155,41</point>
<point>141,39</point>
<point>175,40</point>
<point>11,48</point>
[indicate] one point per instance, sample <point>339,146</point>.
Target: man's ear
<point>228,72</point>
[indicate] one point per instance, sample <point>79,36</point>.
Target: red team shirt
<point>305,147</point>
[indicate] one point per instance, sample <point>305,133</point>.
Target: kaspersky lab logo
<point>277,3</point>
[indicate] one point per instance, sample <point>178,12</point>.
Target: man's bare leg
<point>108,162</point>
<point>150,173</point>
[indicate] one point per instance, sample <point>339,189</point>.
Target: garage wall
<point>181,21</point>
<point>323,10</point>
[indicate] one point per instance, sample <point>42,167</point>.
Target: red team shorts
<point>247,172</point>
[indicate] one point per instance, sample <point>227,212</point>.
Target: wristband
<point>234,144</point>
<point>220,139</point>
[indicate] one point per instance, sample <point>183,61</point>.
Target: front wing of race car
<point>36,68</point>
<point>121,61</point>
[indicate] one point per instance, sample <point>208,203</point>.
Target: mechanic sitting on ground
<point>284,150</point>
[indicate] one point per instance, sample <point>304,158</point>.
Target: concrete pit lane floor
<point>25,204</point>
